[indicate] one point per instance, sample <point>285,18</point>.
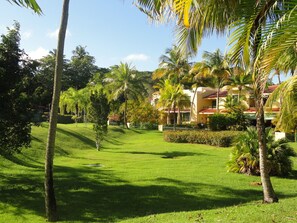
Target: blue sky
<point>112,31</point>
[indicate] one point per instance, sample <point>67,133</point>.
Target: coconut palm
<point>172,97</point>
<point>173,65</point>
<point>124,81</point>
<point>240,80</point>
<point>215,69</point>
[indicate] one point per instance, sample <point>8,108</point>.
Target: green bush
<point>245,154</point>
<point>218,122</point>
<point>222,138</point>
<point>65,119</point>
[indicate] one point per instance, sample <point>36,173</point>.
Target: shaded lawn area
<point>137,177</point>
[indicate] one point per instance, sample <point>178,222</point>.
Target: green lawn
<point>137,177</point>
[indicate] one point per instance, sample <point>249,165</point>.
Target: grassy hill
<point>137,177</point>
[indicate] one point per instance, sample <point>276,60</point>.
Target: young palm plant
<point>245,154</point>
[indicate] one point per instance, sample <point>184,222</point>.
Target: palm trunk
<point>168,117</point>
<point>192,104</point>
<point>50,200</point>
<point>174,119</point>
<point>268,192</point>
<point>218,100</point>
<point>125,113</point>
<point>179,121</point>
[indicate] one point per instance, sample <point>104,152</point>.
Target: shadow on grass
<point>23,162</point>
<point>292,175</point>
<point>78,136</point>
<point>95,195</point>
<point>167,155</point>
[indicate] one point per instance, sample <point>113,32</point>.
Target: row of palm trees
<point>213,71</point>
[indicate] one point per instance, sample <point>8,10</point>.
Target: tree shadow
<point>78,136</point>
<point>18,159</point>
<point>168,155</point>
<point>91,194</point>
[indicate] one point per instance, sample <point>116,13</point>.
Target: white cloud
<point>55,34</point>
<point>136,57</point>
<point>26,35</point>
<point>38,53</point>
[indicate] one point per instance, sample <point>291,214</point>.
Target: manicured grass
<point>137,177</point>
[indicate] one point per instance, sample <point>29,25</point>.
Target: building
<point>204,101</point>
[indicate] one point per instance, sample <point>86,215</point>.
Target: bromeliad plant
<point>245,154</point>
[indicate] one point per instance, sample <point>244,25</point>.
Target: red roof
<point>267,110</point>
<point>214,95</point>
<point>210,111</point>
<point>270,89</point>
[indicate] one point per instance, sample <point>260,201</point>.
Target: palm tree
<point>75,101</point>
<point>124,81</point>
<point>172,97</point>
<point>287,117</point>
<point>173,65</point>
<point>215,69</point>
<point>240,80</point>
<point>182,102</point>
<point>259,29</point>
<point>50,199</point>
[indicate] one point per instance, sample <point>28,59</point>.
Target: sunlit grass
<point>137,177</point>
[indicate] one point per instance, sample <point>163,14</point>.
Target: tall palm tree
<point>215,68</point>
<point>182,102</point>
<point>173,65</point>
<point>172,97</point>
<point>50,199</point>
<point>240,80</point>
<point>124,81</point>
<point>259,29</point>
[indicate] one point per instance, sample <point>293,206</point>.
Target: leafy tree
<point>82,68</point>
<point>142,114</point>
<point>16,73</point>
<point>245,154</point>
<point>124,82</point>
<point>45,77</point>
<point>99,111</point>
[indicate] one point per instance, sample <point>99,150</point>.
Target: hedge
<point>222,138</point>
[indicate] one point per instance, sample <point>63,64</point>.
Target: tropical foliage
<point>245,154</point>
<point>125,83</point>
<point>215,69</point>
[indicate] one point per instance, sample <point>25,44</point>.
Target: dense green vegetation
<point>137,177</point>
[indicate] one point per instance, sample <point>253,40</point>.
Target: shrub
<point>245,154</point>
<point>222,139</point>
<point>218,122</point>
<point>65,119</point>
